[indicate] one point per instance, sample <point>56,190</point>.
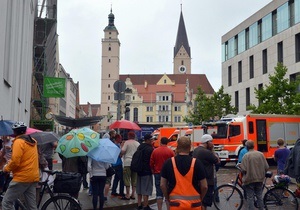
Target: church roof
<point>181,39</point>
<point>195,80</point>
<point>111,24</point>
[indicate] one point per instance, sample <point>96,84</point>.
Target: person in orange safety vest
<point>183,179</point>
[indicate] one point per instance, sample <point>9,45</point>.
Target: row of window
<point>177,119</point>
<point>248,94</point>
<point>264,61</point>
<point>275,22</point>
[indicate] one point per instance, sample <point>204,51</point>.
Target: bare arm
<point>203,187</point>
<point>164,188</point>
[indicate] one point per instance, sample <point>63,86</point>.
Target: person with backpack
<point>127,150</point>
<point>24,159</point>
<point>144,185</point>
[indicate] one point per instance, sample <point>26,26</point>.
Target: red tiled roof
<point>195,80</point>
<point>94,108</point>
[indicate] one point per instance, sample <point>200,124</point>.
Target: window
<point>253,35</point>
<point>108,85</point>
<point>177,119</point>
<point>149,108</point>
<point>297,47</point>
<point>265,61</point>
<point>251,67</point>
<point>240,72</point>
<point>135,114</point>
<point>236,100</point>
<point>241,42</point>
<point>165,81</point>
<point>149,119</point>
<point>293,78</point>
<point>229,76</point>
<point>182,63</point>
<point>260,86</point>
<point>177,108</point>
<point>280,52</point>
<point>231,47</point>
<point>108,97</point>
<point>259,31</point>
<point>108,75</point>
<point>109,48</point>
<point>247,98</point>
<point>297,11</point>
<point>108,108</point>
<point>283,17</point>
<point>266,27</point>
<point>108,60</point>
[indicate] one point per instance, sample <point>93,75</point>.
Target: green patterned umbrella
<point>78,142</point>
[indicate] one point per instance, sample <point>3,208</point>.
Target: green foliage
<point>208,108</point>
<point>281,96</point>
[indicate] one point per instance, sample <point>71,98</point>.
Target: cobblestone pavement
<point>224,175</point>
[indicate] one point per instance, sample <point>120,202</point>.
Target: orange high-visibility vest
<point>184,196</point>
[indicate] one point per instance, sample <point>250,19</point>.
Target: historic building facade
<point>251,50</point>
<point>153,98</point>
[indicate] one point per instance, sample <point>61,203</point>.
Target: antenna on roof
<point>181,5</point>
<point>110,7</point>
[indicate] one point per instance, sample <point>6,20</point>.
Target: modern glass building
<point>251,50</point>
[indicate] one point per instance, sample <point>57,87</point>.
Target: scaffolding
<point>44,58</point>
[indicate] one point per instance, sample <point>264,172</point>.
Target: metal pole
<point>119,110</point>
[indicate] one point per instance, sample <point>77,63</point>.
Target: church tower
<point>109,69</point>
<point>182,51</point>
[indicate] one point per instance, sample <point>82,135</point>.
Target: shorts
<point>159,193</point>
<point>108,180</point>
<point>208,198</point>
<point>129,177</point>
<point>144,185</point>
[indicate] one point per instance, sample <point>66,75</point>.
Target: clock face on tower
<point>182,69</point>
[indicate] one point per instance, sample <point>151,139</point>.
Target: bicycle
<point>276,197</point>
<point>57,201</point>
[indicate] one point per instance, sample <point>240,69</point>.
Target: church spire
<point>181,39</point>
<point>182,52</point>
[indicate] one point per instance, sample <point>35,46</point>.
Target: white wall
<point>16,44</point>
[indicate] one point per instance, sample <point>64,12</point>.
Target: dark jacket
<point>292,167</point>
<point>147,151</point>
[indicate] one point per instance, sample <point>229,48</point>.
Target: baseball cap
<point>147,137</point>
<point>205,138</point>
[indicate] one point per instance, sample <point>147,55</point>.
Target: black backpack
<point>137,161</point>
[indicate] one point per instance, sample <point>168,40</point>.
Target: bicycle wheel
<point>280,198</point>
<point>230,197</point>
<point>61,202</point>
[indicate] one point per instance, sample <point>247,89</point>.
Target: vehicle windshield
<point>221,131</point>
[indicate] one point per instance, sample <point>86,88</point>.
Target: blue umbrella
<point>5,127</point>
<point>106,152</point>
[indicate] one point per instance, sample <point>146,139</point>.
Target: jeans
<point>254,189</point>
<point>15,189</point>
<point>118,178</point>
<point>159,193</point>
<point>84,182</point>
<point>98,183</point>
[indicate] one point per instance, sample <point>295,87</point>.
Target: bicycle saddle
<point>269,174</point>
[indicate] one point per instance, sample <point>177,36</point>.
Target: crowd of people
<point>183,179</point>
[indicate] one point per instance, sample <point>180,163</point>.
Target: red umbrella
<point>124,124</point>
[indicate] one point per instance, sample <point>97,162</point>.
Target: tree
<point>221,103</point>
<point>207,108</point>
<point>281,96</point>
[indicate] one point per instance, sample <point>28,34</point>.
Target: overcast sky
<point>147,32</point>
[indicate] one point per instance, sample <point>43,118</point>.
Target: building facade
<point>151,99</point>
<point>16,41</point>
<point>251,50</point>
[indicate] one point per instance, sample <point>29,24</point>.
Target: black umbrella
<point>78,122</point>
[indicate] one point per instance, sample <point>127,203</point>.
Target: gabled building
<point>151,98</point>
